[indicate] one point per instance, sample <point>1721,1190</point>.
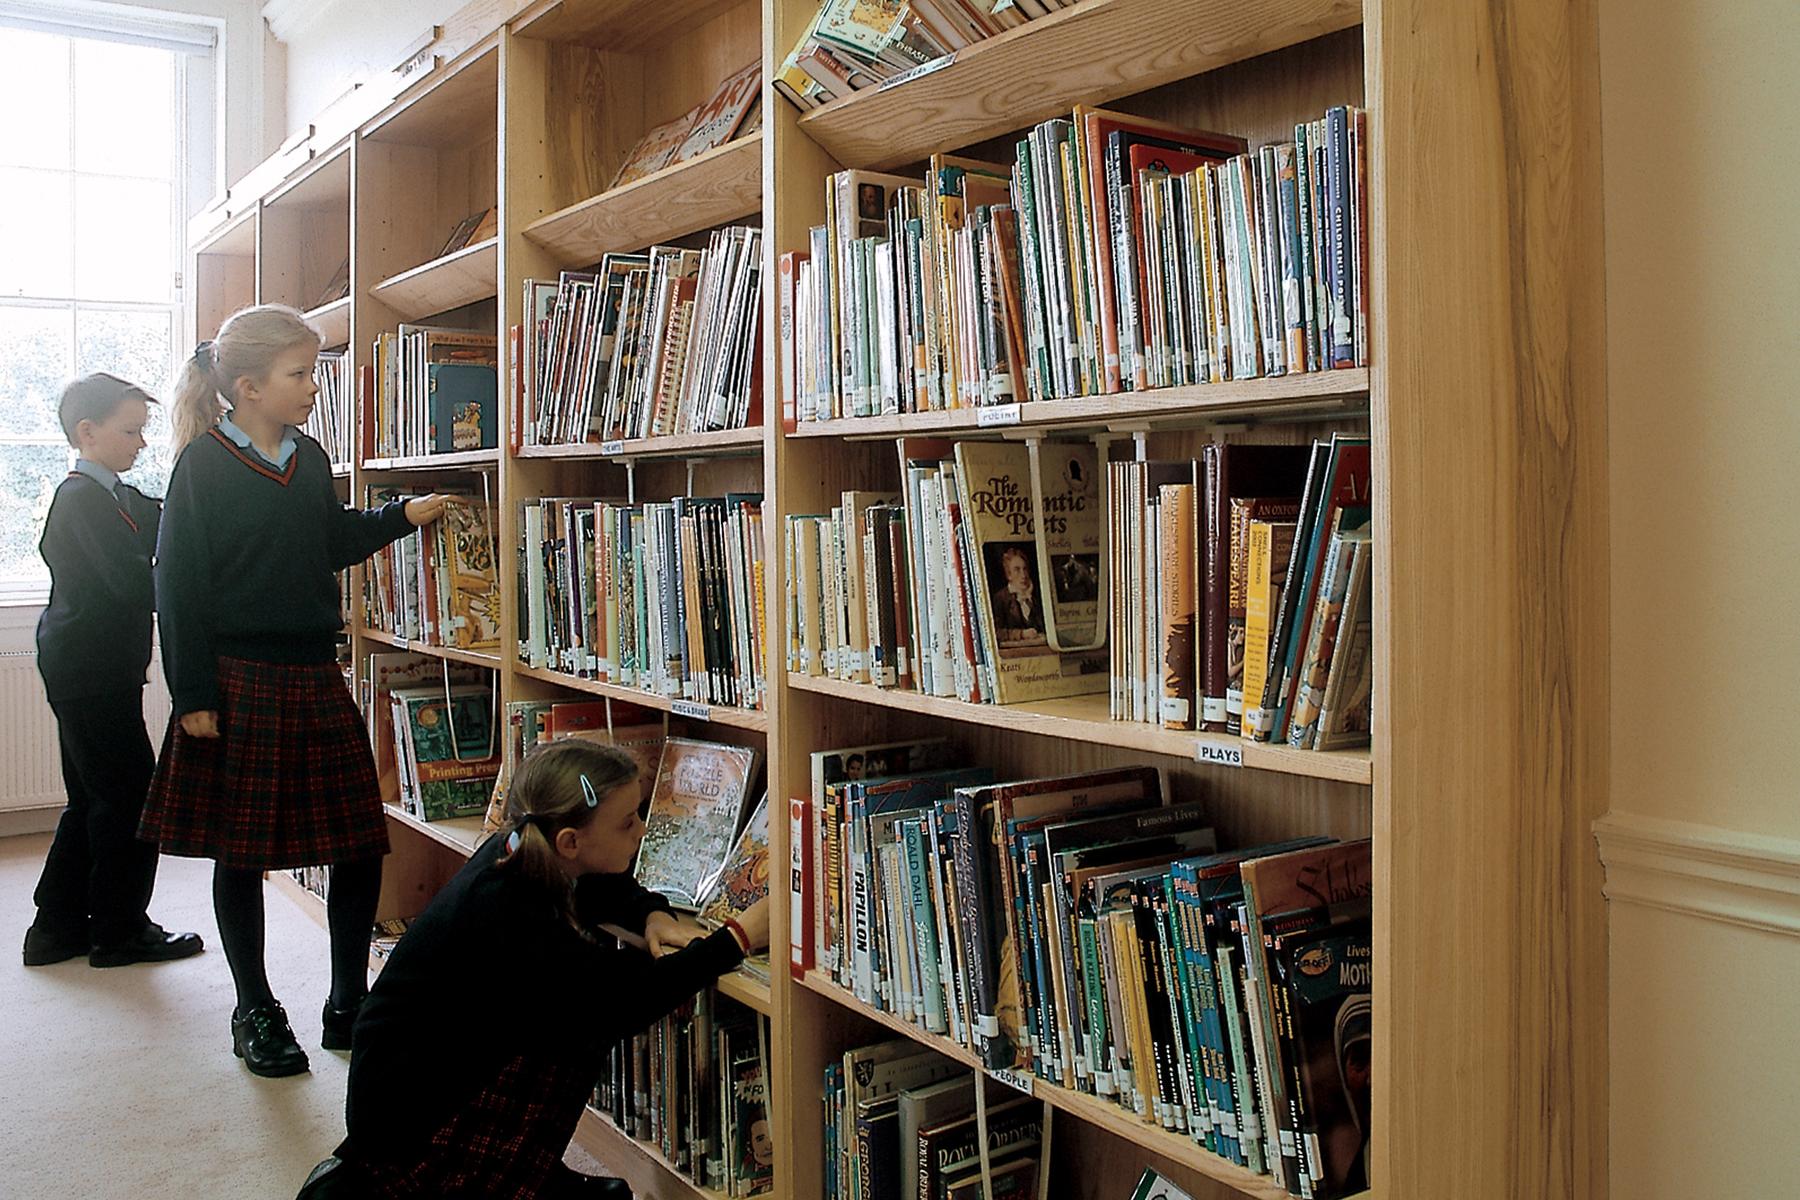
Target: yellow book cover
<point>1271,544</point>
<point>472,578</point>
<point>1029,585</point>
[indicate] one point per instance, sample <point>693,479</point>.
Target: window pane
<point>124,247</point>
<point>28,477</point>
<point>131,345</point>
<point>124,109</point>
<point>35,232</point>
<point>34,78</point>
<point>37,353</point>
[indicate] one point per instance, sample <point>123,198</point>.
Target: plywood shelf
<point>718,714</point>
<point>1096,51</point>
<point>1320,394</point>
<point>747,990</point>
<point>475,658</point>
<point>458,460</point>
<point>1079,1105</point>
<point>456,279</point>
<point>617,24</point>
<point>1084,719</point>
<point>721,443</point>
<point>235,240</point>
<point>722,185</point>
<point>461,834</point>
<point>643,1166</point>
<point>332,321</point>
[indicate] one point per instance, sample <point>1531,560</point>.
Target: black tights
<point>349,914</point>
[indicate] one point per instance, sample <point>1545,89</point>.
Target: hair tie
<point>203,354</point>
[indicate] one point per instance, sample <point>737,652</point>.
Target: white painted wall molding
<point>1744,879</point>
<point>291,18</point>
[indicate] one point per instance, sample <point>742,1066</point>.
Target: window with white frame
<point>92,206</point>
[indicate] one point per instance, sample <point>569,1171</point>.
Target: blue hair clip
<point>588,793</point>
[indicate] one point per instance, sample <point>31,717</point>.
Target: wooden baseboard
<point>20,822</point>
<point>1744,879</point>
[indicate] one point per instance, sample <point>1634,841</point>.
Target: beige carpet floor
<point>121,1083</point>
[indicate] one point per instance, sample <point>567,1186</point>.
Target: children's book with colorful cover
<point>724,113</point>
<point>744,879</point>
<point>473,580</point>
<point>694,810</point>
<point>656,149</point>
<point>452,751</point>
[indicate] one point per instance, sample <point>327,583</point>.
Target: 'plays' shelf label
<point>612,447</point>
<point>1219,754</point>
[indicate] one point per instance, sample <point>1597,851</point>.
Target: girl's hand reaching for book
<point>666,934</point>
<point>200,724</point>
<point>754,921</point>
<point>423,510</point>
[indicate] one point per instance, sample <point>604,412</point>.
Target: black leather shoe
<point>153,944</point>
<point>45,946</point>
<point>265,1041</point>
<point>338,1023</point>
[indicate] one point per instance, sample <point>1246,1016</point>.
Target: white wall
<point>332,45</point>
<point>1701,160</point>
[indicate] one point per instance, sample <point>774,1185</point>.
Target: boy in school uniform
<point>93,653</point>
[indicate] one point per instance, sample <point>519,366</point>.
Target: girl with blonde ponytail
<point>513,945</point>
<point>266,765</point>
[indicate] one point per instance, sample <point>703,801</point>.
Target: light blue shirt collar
<point>104,476</point>
<point>242,440</point>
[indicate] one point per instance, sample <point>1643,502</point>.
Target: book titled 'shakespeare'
<point>694,811</point>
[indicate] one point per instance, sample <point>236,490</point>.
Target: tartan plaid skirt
<point>290,781</point>
<point>505,1144</point>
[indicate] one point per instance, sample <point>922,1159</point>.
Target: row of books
<point>900,1124</point>
<point>649,344</point>
<point>330,423</point>
<point>952,586</point>
<point>1086,931</point>
<point>1114,253</point>
<point>1239,592</point>
<point>696,1086</point>
<point>432,390</point>
<point>850,45</point>
<point>666,598</point>
<point>439,584</point>
<point>733,108</point>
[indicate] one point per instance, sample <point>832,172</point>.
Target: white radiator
<point>30,763</point>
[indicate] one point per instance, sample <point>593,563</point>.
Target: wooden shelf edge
<point>659,207</point>
<point>461,834</point>
<point>332,321</point>
<point>1089,1109</point>
<point>1090,53</point>
<point>675,445</point>
<point>474,658</point>
<point>1343,766</point>
<point>718,714</point>
<point>747,990</point>
<point>456,279</point>
<point>638,1163</point>
<point>1281,395</point>
<point>457,460</point>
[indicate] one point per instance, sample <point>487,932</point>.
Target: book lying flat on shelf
<point>694,811</point>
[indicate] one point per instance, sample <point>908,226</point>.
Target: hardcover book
<point>472,580</point>
<point>722,115</point>
<point>694,810</point>
<point>656,149</point>
<point>744,879</point>
<point>452,751</point>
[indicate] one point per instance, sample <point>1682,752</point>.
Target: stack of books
<point>432,391</point>
<point>1086,931</point>
<point>649,344</point>
<point>440,584</point>
<point>665,598</point>
<point>1113,253</point>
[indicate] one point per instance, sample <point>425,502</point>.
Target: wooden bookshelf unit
<point>1484,402</point>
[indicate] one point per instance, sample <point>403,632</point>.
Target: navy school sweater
<point>94,636</point>
<point>247,561</point>
<point>492,970</point>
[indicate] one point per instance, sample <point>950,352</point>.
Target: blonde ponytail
<point>248,344</point>
<point>550,792</point>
